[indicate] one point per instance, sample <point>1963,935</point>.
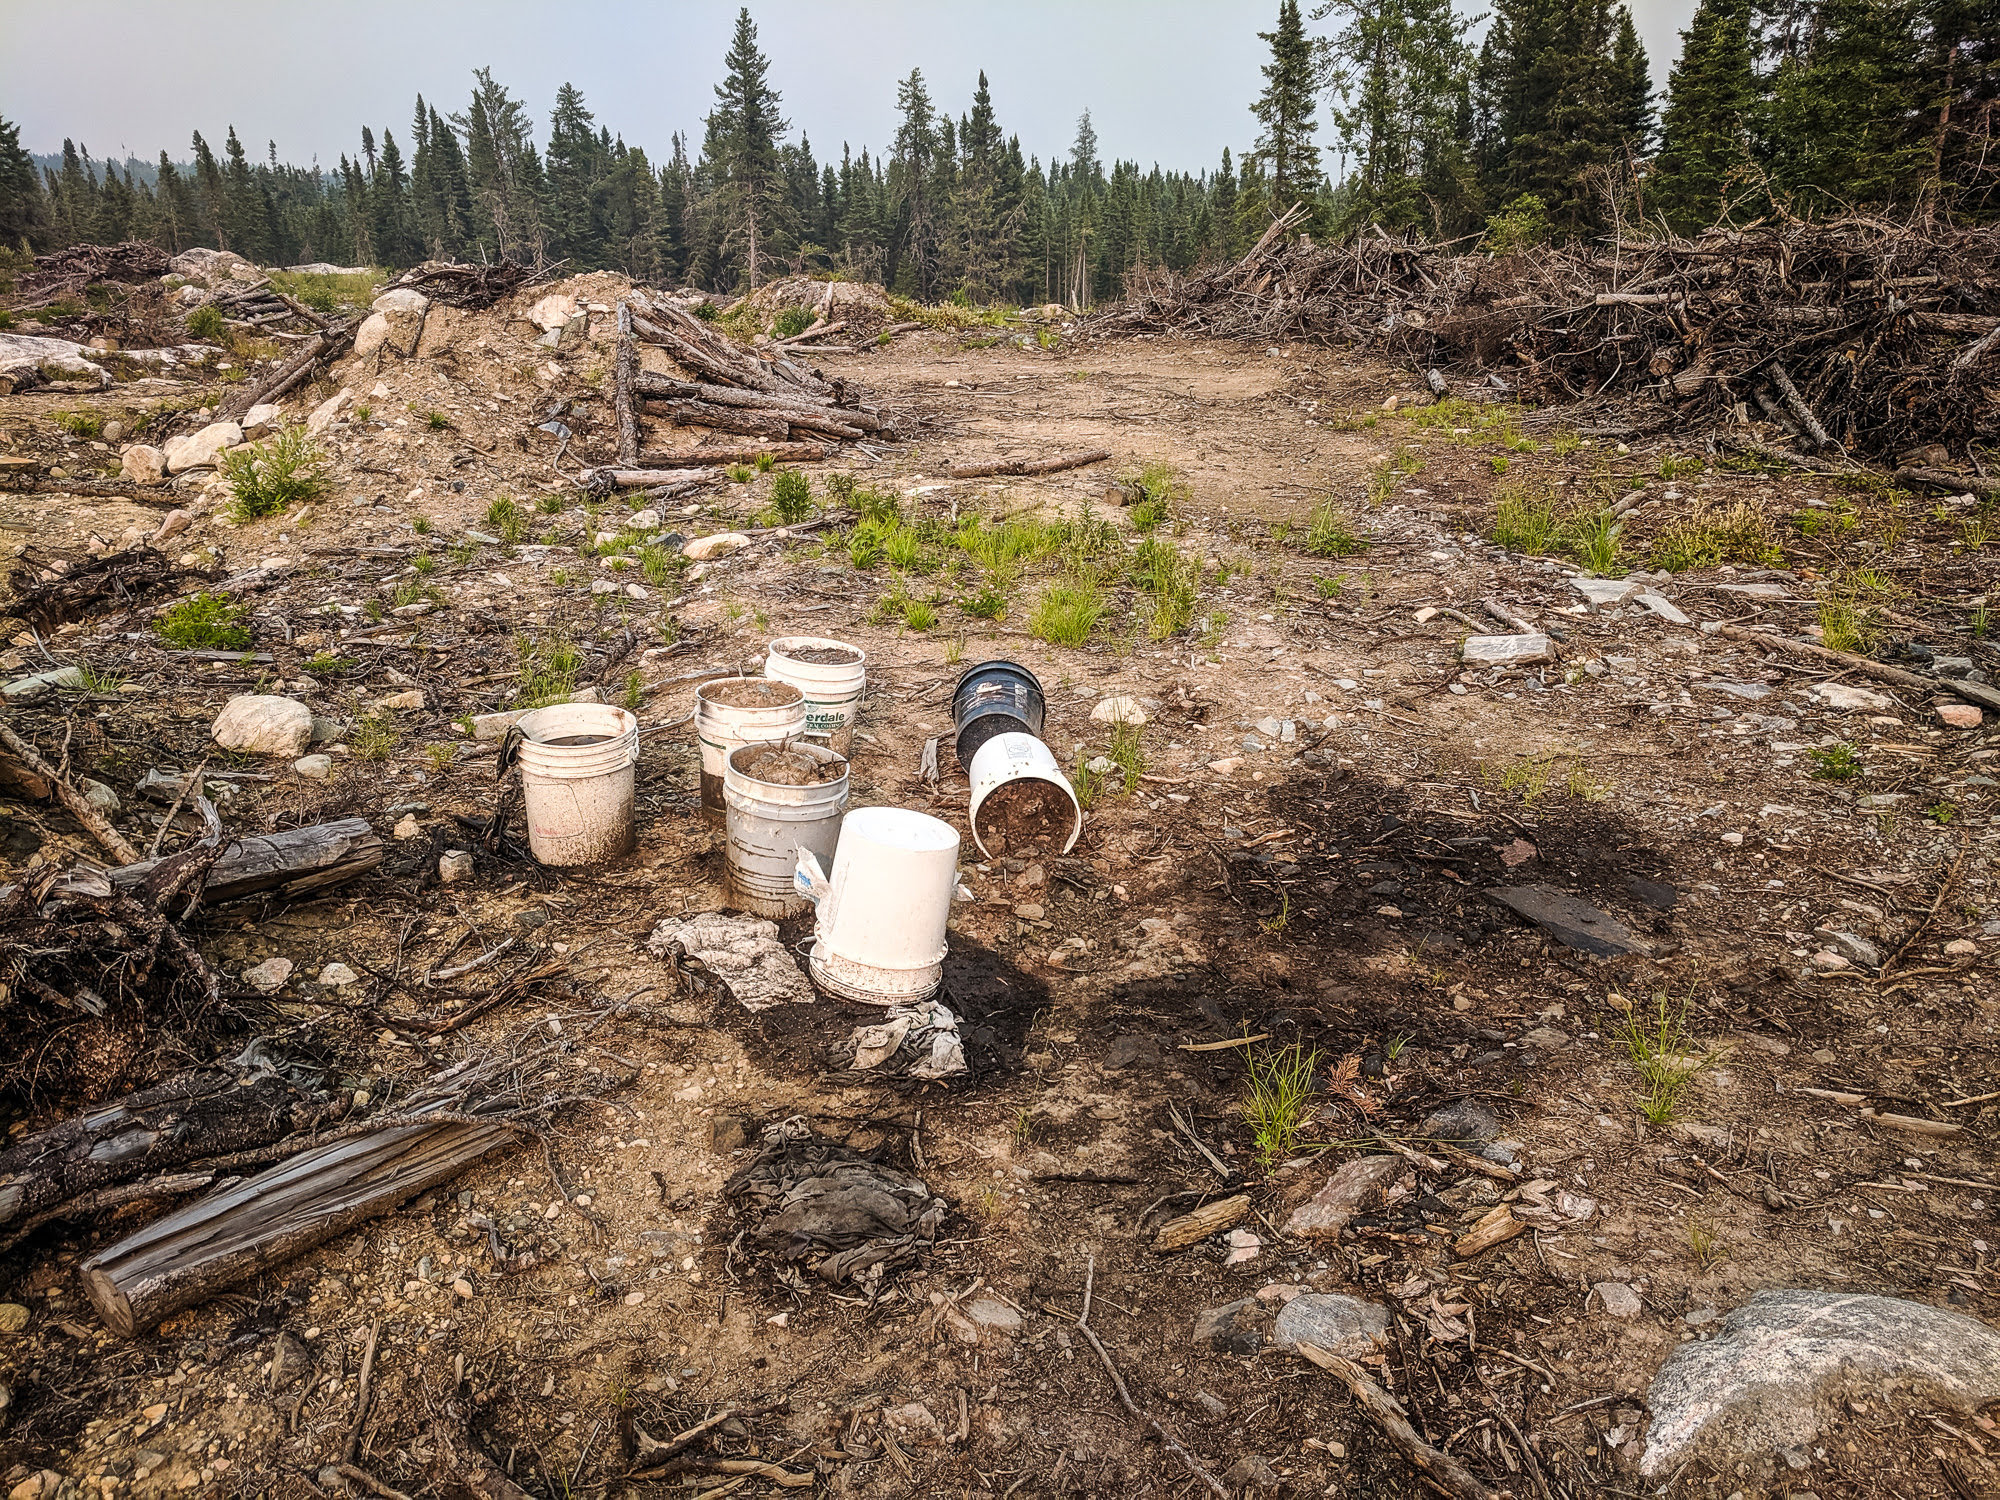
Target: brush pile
<point>473,288</point>
<point>1854,336</point>
<point>79,265</point>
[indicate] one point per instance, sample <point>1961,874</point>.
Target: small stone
<point>142,464</point>
<point>1030,911</point>
<point>261,415</point>
<point>269,977</point>
<point>992,1314</point>
<point>1852,946</point>
<point>410,698</point>
<point>1959,715</point>
<point>1841,698</point>
<point>1338,1324</point>
<point>1960,948</point>
<point>644,520</point>
<point>408,828</point>
<point>728,1133</point>
<point>291,1360</point>
<point>462,1289</point>
<point>201,449</point>
<point>1227,766</point>
<point>101,798</point>
<point>1119,710</point>
<point>314,767</point>
<point>454,865</point>
<point>633,1299</point>
<point>1252,1472</point>
<point>334,975</point>
<point>1359,1184</point>
<point>13,1317</point>
<point>1618,1300</point>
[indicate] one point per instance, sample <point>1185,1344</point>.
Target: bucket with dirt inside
<point>832,675</point>
<point>995,697</point>
<point>880,932</point>
<point>1022,803</point>
<point>731,712</point>
<point>577,777</point>
<point>782,798</point>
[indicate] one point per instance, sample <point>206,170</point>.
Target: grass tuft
<point>1279,1100</point>
<point>266,478</point>
<point>549,664</point>
<point>204,622</point>
<point>1661,1049</point>
<point>791,496</point>
<point>1067,612</point>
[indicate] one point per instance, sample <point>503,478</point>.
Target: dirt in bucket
<point>1026,816</point>
<point>783,767</point>
<point>576,739</point>
<point>751,692</point>
<point>822,656</point>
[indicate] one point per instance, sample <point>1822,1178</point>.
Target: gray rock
<point>1604,592</point>
<point>992,1315</point>
<point>1660,605</point>
<point>1241,1327</point>
<point>203,448</point>
<point>314,767</point>
<point>1785,1360</point>
<point>1852,947</point>
<point>101,797</point>
<point>142,464</point>
<point>1338,1324</point>
<point>1545,1039</point>
<point>1359,1184</point>
<point>1464,1122</point>
<point>336,974</point>
<point>1507,650</point>
<point>454,865</point>
<point>1618,1300</point>
<point>269,976</point>
<point>1251,1472</point>
<point>291,1361</point>
<point>1574,923</point>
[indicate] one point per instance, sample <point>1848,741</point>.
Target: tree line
<point>1548,128</point>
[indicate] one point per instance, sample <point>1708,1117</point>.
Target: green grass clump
<point>765,463</point>
<point>1067,612</point>
<point>1713,535</point>
<point>989,603</point>
<point>791,496</point>
<point>1530,520</point>
<point>661,565</point>
<point>904,548</point>
<point>507,519</point>
<point>1661,1050</point>
<point>79,424</point>
<point>325,291</point>
<point>919,614</point>
<point>266,478</point>
<point>206,323</point>
<point>1328,533</point>
<point>865,543</point>
<point>326,664</point>
<point>1851,610</point>
<point>1279,1100</point>
<point>549,664</point>
<point>374,736</point>
<point>437,421</point>
<point>1165,579</point>
<point>1161,492</point>
<point>204,622</point>
<point>791,322</point>
<point>739,473</point>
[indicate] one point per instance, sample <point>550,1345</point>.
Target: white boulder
<point>327,411</point>
<point>1119,710</point>
<point>261,415</point>
<point>264,724</point>
<point>142,464</point>
<point>1842,698</point>
<point>552,312</point>
<point>200,450</point>
<point>702,548</point>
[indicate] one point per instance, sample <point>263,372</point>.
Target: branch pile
<point>764,395</point>
<point>131,261</point>
<point>474,288</point>
<point>1855,334</point>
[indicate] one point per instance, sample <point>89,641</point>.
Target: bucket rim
<point>1032,769</point>
<point>777,644</point>
<point>821,753</point>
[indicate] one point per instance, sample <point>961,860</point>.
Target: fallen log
<point>646,384</point>
<point>1972,692</point>
<point>811,333</point>
<point>700,360</point>
<point>263,1221</point>
<point>734,453</point>
<point>294,863</point>
<point>1210,1218</point>
<point>1938,479</point>
<point>733,419</point>
<point>322,347</point>
<point>628,415</point>
<point>1025,467</point>
<point>207,1112</point>
<point>678,479</point>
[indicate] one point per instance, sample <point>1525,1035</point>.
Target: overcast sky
<point>1167,81</point>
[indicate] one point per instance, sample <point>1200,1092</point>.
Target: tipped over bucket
<point>880,934</point>
<point>995,697</point>
<point>1021,801</point>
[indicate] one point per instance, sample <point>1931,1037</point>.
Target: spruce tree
<point>575,162</point>
<point>242,210</point>
<point>1631,86</point>
<point>1398,69</point>
<point>1705,129</point>
<point>913,205</point>
<point>389,222</point>
<point>23,210</point>
<point>742,149</point>
<point>1835,121</point>
<point>1549,105</point>
<point>1285,110</point>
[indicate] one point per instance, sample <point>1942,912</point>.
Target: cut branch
<point>1025,467</point>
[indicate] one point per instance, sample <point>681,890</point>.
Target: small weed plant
<point>791,496</point>
<point>1662,1052</point>
<point>266,478</point>
<point>204,622</point>
<point>549,664</point>
<point>1279,1100</point>
<point>1329,534</point>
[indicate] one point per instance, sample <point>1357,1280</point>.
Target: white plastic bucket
<point>772,711</point>
<point>579,797</point>
<point>770,822</point>
<point>833,689</point>
<point>880,935</point>
<point>1008,758</point>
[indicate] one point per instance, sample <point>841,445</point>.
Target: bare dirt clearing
<point>1295,848</point>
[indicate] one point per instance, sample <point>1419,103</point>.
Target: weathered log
<point>1972,692</point>
<point>648,385</point>
<point>263,1221</point>
<point>676,479</point>
<point>701,361</point>
<point>734,453</point>
<point>628,415</point>
<point>819,331</point>
<point>296,862</point>
<point>207,1112</point>
<point>1023,467</point>
<point>320,348</point>
<point>1210,1218</point>
<point>733,419</point>
<point>1939,479</point>
<point>111,840</point>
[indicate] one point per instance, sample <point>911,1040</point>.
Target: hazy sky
<point>1167,81</point>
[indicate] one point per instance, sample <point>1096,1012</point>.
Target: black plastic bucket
<point>995,697</point>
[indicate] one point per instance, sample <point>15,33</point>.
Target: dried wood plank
<point>733,453</point>
<point>647,478</point>
<point>206,1112</point>
<point>1497,1227</point>
<point>1210,1218</point>
<point>646,384</point>
<point>322,347</point>
<point>263,1221</point>
<point>296,862</point>
<point>818,331</point>
<point>1023,467</point>
<point>628,415</point>
<point>1446,1472</point>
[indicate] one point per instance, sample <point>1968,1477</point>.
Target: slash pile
<point>1857,335</point>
